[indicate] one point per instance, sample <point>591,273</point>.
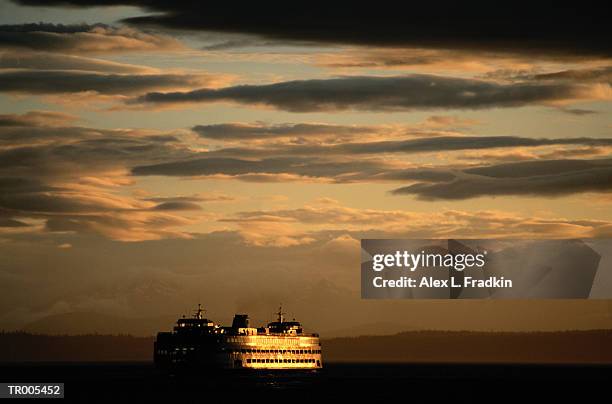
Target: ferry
<point>198,342</point>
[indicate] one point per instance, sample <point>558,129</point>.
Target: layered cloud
<point>242,131</point>
<point>83,39</point>
<point>463,161</point>
<point>72,81</point>
<point>59,177</point>
<point>62,178</point>
<point>439,143</point>
<point>530,178</point>
<point>378,93</point>
<point>55,59</point>
<point>317,132</point>
<point>52,61</point>
<point>323,217</point>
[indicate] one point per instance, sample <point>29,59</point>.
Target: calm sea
<point>141,382</point>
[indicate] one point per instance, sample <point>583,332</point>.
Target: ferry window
<point>248,361</point>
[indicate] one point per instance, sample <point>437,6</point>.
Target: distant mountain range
<point>96,323</point>
<point>593,346</point>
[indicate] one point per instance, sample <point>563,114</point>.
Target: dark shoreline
<point>443,347</point>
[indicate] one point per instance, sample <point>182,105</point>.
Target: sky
<point>155,155</point>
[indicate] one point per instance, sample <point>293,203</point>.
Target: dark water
<point>141,382</point>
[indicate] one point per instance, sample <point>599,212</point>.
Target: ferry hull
<point>262,352</point>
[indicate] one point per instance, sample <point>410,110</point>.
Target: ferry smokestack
<point>240,321</point>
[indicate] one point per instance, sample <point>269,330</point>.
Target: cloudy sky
<point>155,154</point>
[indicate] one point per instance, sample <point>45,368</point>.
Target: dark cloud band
<point>378,94</point>
<point>58,82</point>
<point>419,145</point>
<point>534,178</point>
<point>532,28</point>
